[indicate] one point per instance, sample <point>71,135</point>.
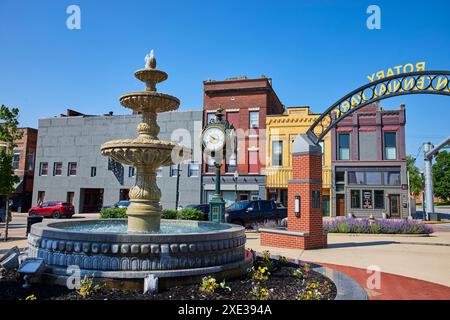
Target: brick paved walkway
<point>395,287</point>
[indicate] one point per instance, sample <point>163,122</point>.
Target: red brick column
<point>305,230</point>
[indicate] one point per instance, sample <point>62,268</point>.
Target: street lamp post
<point>236,176</point>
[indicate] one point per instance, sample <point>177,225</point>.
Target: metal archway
<point>419,82</point>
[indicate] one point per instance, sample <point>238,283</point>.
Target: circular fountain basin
<point>181,252</point>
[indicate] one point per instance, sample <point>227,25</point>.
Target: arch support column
<point>305,227</point>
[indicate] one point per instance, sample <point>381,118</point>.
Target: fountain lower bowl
<point>135,152</point>
<point>181,252</point>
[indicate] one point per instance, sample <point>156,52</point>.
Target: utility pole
<point>429,208</point>
<point>178,187</point>
<point>429,151</point>
<point>409,197</point>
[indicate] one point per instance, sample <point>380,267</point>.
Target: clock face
<point>213,139</point>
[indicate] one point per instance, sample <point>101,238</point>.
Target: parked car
<point>201,207</point>
<point>118,204</point>
<point>3,216</point>
<point>54,209</point>
<point>247,212</point>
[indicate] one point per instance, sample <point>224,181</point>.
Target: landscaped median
<point>376,226</point>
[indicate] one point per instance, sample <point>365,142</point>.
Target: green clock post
<point>215,137</point>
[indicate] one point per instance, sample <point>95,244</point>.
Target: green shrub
<point>169,214</point>
<point>344,228</point>
<point>190,214</point>
<point>113,213</point>
<point>375,228</point>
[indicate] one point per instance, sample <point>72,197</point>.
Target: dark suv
<point>246,213</point>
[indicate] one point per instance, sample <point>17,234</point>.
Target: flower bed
<point>268,279</point>
<point>377,226</point>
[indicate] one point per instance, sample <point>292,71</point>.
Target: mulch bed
<point>281,283</point>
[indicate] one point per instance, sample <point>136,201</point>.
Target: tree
<point>441,175</point>
<point>8,135</point>
<point>415,178</point>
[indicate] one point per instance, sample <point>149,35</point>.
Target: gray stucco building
<point>70,167</point>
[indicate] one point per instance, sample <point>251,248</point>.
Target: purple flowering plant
<point>377,226</point>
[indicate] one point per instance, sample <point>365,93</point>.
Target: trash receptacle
<point>32,220</point>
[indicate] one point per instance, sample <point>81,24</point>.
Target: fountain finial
<point>150,61</point>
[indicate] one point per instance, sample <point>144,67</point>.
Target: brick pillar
<point>305,230</point>
<point>306,180</point>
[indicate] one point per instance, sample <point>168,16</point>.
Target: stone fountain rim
<point>45,229</point>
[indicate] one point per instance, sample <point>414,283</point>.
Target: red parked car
<point>54,209</point>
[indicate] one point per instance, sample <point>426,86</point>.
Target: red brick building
<point>246,103</point>
<point>23,163</point>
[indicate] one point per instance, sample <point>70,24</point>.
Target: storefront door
<point>340,205</point>
<point>394,205</point>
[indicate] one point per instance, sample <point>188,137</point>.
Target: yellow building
<point>281,131</point>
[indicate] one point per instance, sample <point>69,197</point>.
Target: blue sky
<point>315,52</point>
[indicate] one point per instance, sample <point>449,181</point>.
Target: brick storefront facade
<point>246,103</point>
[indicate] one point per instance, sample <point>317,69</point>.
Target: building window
<point>124,195</point>
<point>93,171</point>
<point>374,178</point>
<point>70,196</point>
<point>131,172</point>
<point>392,178</point>
<point>16,160</point>
<point>57,169</point>
<point>253,161</point>
<point>322,146</point>
<point>355,199</point>
<point>316,199</point>
<point>277,153</point>
<point>210,167</point>
<point>254,119</point>
<point>344,146</point>
<point>379,199</point>
<point>340,177</point>
<point>30,162</point>
<point>356,177</point>
<point>210,117</point>
<point>367,201</point>
<point>43,168</point>
<point>193,169</point>
<point>390,146</point>
<point>72,169</point>
<point>40,197</point>
<point>174,170</point>
<point>231,165</point>
<point>159,172</point>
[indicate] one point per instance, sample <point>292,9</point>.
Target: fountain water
<point>126,250</point>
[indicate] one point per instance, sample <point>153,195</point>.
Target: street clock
<point>214,139</point>
<point>217,137</point>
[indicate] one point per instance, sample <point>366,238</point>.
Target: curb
<point>346,287</point>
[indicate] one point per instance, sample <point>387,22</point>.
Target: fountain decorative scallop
<point>124,251</point>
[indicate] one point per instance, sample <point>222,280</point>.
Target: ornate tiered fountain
<point>146,153</point>
<point>124,251</point>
